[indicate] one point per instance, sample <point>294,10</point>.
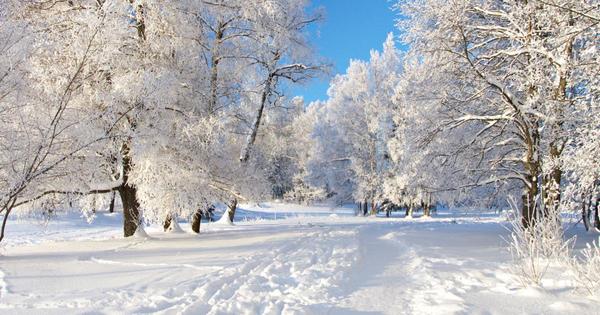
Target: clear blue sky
<point>350,30</point>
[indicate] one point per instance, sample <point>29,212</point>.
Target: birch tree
<point>283,54</point>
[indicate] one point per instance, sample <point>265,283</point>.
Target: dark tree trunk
<point>365,208</point>
<point>111,207</point>
<point>595,209</point>
<point>245,154</point>
<point>196,220</point>
<point>596,218</point>
<point>131,209</point>
<point>551,193</point>
<point>140,23</point>
<point>215,60</point>
<point>167,223</point>
<point>4,221</point>
<point>128,193</point>
<point>585,211</point>
<point>264,98</point>
<point>531,163</point>
<point>231,207</point>
<point>426,209</point>
<point>529,209</point>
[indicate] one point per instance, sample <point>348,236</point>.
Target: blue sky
<point>350,30</point>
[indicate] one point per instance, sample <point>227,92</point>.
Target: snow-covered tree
<point>45,129</point>
<point>283,55</point>
<point>502,72</point>
<point>162,90</point>
<point>353,128</point>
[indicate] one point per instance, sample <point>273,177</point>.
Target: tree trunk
<point>128,193</point>
<point>585,211</point>
<point>167,222</point>
<point>594,205</point>
<point>373,207</point>
<point>111,207</point>
<point>365,206</point>
<point>214,75</point>
<point>596,216</point>
<point>196,220</point>
<point>426,209</point>
<point>551,193</point>
<point>529,203</point>
<point>131,209</point>
<point>529,209</point>
<point>231,207</point>
<point>264,98</point>
<point>4,221</point>
<point>140,23</point>
<point>245,155</point>
<point>410,210</point>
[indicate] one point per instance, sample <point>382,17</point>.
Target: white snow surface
<point>307,260</point>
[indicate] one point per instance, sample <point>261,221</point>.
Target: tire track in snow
<point>289,280</point>
<point>166,265</point>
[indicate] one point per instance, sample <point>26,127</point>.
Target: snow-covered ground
<point>278,259</point>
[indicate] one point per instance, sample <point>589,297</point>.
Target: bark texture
<point>196,220</point>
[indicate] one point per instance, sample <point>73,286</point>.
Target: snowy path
<point>305,265</point>
<point>444,268</point>
<point>405,284</point>
<point>266,269</point>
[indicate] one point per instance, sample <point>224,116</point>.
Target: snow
<point>140,233</point>
<point>310,260</point>
<point>175,227</point>
<point>224,220</point>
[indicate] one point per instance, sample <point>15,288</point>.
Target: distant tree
<point>353,127</point>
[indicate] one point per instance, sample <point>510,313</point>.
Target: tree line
<point>492,103</point>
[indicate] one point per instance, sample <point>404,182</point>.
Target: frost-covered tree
<point>131,83</point>
<point>504,75</point>
<point>354,126</point>
<point>45,130</point>
<point>582,165</point>
<point>162,90</point>
<point>283,55</point>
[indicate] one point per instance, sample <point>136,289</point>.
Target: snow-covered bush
<point>586,269</point>
<point>305,194</point>
<point>535,248</point>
